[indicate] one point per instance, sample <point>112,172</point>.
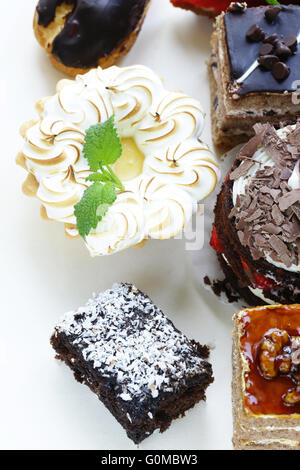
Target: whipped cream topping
<point>294,180</point>
<point>178,169</point>
<point>262,159</point>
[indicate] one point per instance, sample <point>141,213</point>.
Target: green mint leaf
<point>98,177</point>
<point>93,205</point>
<point>102,144</point>
<point>102,148</point>
<point>272,2</point>
<point>102,210</point>
<point>109,194</point>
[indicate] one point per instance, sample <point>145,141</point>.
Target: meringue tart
<point>165,168</point>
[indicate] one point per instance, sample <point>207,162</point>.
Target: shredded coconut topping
<point>125,336</point>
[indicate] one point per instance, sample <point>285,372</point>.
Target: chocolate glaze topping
<point>242,52</point>
<point>92,30</point>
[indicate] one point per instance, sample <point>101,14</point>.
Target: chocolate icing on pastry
<point>243,53</point>
<point>92,30</point>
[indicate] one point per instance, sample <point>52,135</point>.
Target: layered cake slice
<point>256,232</point>
<point>254,70</point>
<point>266,378</point>
<point>142,368</point>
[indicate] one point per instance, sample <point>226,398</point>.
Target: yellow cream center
<point>130,164</point>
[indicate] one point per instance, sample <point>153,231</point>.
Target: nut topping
<point>279,355</point>
<point>270,350</point>
<point>292,397</point>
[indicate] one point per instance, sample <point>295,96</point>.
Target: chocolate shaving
<point>289,199</point>
<point>267,217</point>
<point>294,137</point>
<point>296,210</point>
<point>246,153</point>
<point>281,249</point>
<point>271,228</point>
<point>277,215</point>
<point>274,193</point>
<point>254,216</point>
<point>274,146</point>
<point>241,170</point>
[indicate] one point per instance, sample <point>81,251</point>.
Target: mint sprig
<point>272,2</point>
<point>102,147</point>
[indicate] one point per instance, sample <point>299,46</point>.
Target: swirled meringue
<point>177,172</point>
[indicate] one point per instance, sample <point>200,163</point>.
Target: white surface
<point>43,274</point>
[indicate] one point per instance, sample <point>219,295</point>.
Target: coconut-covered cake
<point>165,168</point>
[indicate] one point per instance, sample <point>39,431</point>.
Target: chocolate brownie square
<point>144,370</point>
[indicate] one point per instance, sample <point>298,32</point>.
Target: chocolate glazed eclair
<point>82,34</point>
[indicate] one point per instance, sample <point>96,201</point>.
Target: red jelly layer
<point>220,5</point>
<point>261,282</point>
<point>215,241</point>
<point>264,396</point>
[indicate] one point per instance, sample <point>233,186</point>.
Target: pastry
<point>81,34</point>
<point>142,368</point>
<point>165,168</point>
<point>254,71</point>
<point>257,218</point>
<point>266,378</point>
<point>215,7</point>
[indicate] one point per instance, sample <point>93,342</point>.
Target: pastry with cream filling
<point>256,232</point>
<point>165,168</point>
<point>144,370</point>
<point>81,34</point>
<point>254,70</point>
<point>266,378</point>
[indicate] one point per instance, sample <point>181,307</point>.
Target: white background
<point>43,274</point>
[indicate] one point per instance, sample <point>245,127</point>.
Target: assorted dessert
<point>215,7</point>
<point>144,370</point>
<point>253,70</point>
<point>266,378</point>
<point>161,172</point>
<point>118,159</point>
<point>257,218</point>
<point>81,34</point>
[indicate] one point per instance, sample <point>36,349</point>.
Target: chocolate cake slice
<point>254,70</point>
<point>256,232</point>
<point>142,368</point>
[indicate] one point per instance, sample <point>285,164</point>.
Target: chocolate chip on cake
<point>280,71</point>
<point>291,42</point>
<point>268,61</point>
<point>255,33</point>
<point>272,13</point>
<point>237,7</point>
<point>266,49</point>
<point>272,39</point>
<point>283,51</point>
